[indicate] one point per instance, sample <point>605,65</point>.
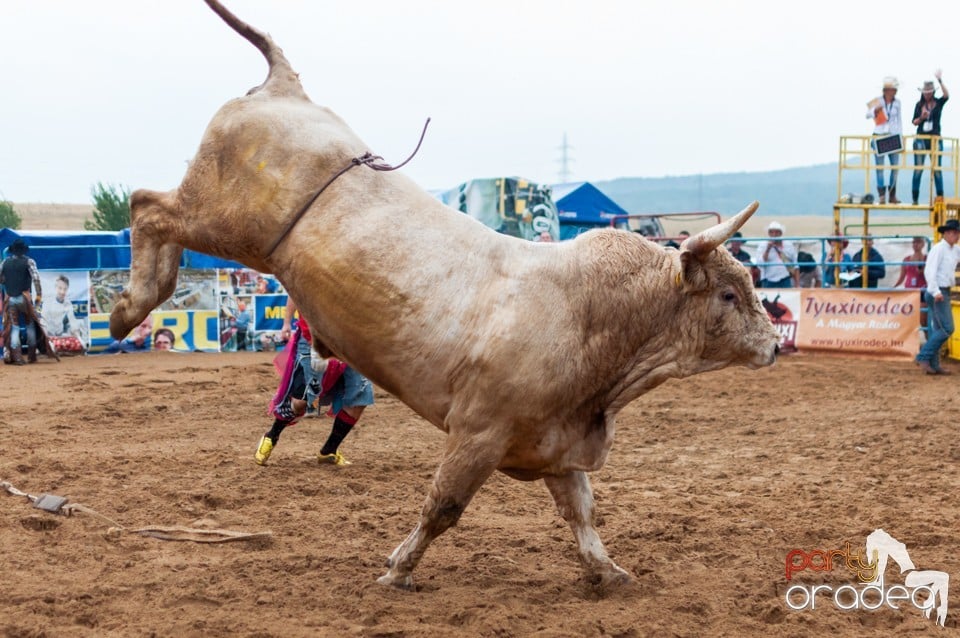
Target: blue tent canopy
<point>93,250</point>
<point>581,207</point>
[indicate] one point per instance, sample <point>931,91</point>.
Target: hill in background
<point>808,190</point>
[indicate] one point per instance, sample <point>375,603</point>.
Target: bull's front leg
<point>574,500</point>
<point>154,261</point>
<point>464,468</point>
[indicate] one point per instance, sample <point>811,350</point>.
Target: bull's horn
<point>702,243</point>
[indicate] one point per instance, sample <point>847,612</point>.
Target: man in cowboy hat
<point>885,112</point>
<point>778,260</point>
<point>17,273</point>
<point>940,274</point>
<point>926,117</point>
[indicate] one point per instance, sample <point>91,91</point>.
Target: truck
<point>510,205</point>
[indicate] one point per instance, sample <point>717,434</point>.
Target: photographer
<point>778,260</point>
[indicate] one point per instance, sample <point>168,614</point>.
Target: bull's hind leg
<point>462,471</point>
<point>574,499</point>
<point>154,261</point>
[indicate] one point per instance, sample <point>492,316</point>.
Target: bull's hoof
<point>608,581</point>
<point>400,582</point>
<point>616,579</point>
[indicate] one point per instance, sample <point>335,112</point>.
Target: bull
<point>523,353</point>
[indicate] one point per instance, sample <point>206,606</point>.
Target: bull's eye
<point>730,297</point>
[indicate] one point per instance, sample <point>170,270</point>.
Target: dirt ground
<point>712,480</point>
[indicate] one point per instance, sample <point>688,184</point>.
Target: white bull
<point>522,352</point>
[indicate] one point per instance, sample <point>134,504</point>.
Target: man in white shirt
<point>885,112</point>
<point>940,272</point>
<point>777,260</point>
<point>58,316</point>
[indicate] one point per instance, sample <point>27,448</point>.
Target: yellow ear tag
<point>261,165</point>
<point>679,280</point>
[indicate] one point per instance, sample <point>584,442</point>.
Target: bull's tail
<point>281,78</point>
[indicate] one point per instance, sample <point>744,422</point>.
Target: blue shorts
<point>351,390</point>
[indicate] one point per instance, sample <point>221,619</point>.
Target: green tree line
<point>111,209</point>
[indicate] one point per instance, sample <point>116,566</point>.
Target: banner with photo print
<point>65,309</point>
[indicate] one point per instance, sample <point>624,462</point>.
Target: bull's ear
<point>692,275</point>
<point>705,242</point>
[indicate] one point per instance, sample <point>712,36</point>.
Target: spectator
<point>836,272</point>
<point>735,246</point>
<point>136,341</point>
<point>885,112</point>
<point>778,260</point>
<point>682,236</point>
<point>809,270</point>
<point>926,116</point>
<point>876,269</point>
<point>911,273</point>
<point>17,273</point>
<point>940,272</point>
<point>163,339</point>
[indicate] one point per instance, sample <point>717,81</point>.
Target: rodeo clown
<point>306,375</point>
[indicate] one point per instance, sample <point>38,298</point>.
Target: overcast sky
<point>120,91</point>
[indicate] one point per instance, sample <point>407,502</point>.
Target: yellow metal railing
<point>857,154</point>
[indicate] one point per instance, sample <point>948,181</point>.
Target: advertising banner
<point>268,311</point>
<point>187,321</point>
<point>182,331</point>
<point>783,308</point>
<point>860,321</point>
<point>251,322</point>
<point>196,290</point>
<point>251,310</point>
<point>65,309</point>
<point>241,309</point>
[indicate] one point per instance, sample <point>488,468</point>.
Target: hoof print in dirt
<point>40,523</point>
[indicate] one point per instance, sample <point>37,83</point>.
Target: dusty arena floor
<point>711,482</point>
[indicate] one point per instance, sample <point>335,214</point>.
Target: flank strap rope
<point>367,159</point>
<point>61,505</point>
